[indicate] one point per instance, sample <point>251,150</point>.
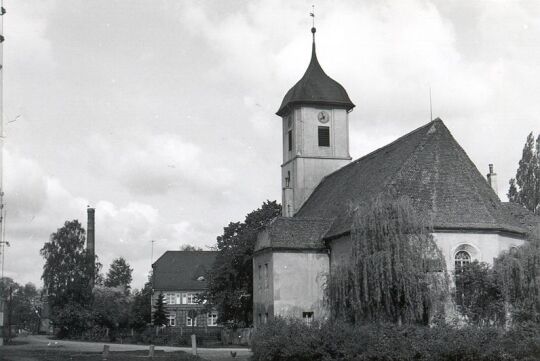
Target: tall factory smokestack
<point>91,241</point>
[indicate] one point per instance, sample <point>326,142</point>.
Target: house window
<point>171,320</point>
<point>191,321</point>
<point>191,299</point>
<point>212,319</point>
<point>324,136</point>
<point>307,317</point>
<point>260,319</point>
<point>266,317</point>
<point>290,140</point>
<point>178,298</point>
<point>461,259</point>
<point>169,299</point>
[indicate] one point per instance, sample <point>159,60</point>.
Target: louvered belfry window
<point>324,136</point>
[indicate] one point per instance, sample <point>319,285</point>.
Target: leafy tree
<point>525,188</point>
<point>160,315</point>
<point>67,277</point>
<point>23,306</point>
<point>119,275</point>
<point>189,247</point>
<point>110,308</point>
<point>230,281</point>
<point>519,273</point>
<point>479,294</point>
<point>141,307</point>
<point>396,271</point>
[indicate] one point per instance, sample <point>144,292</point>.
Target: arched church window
<point>461,259</point>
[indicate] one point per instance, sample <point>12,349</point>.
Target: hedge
<point>293,340</point>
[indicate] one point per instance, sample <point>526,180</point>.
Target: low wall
<point>239,336</point>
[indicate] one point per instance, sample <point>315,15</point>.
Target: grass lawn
<point>16,354</point>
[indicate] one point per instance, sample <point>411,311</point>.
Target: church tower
<point>315,117</point>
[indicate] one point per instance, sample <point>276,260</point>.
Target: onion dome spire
<point>315,88</point>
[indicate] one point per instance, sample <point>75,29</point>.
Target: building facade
<point>322,189</point>
<point>180,277</point>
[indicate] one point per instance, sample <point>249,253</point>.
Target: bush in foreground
<point>284,340</point>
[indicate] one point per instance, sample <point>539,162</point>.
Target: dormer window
<point>200,278</point>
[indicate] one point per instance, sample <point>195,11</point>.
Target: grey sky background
<point>161,113</point>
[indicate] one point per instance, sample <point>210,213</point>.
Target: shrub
<point>288,340</point>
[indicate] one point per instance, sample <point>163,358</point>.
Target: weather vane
<point>312,14</point>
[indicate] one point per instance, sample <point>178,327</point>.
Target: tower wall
<point>305,162</point>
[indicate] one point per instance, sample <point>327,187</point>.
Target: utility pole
<point>2,212</point>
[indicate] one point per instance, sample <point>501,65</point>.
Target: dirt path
<point>43,343</point>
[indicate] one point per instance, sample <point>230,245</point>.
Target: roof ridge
<point>418,146</point>
<point>494,215</point>
<point>370,154</point>
<point>385,146</point>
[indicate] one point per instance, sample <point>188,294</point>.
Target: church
<point>321,187</point>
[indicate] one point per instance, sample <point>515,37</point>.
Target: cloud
<point>162,116</point>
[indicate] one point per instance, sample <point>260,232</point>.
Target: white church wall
<point>483,247</point>
<point>299,279</point>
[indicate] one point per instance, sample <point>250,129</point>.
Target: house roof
<point>524,217</point>
<point>315,87</point>
<point>180,270</point>
<point>297,233</point>
<point>426,165</point>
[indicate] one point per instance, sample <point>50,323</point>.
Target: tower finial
<point>312,14</point>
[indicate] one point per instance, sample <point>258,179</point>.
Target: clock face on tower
<point>323,117</point>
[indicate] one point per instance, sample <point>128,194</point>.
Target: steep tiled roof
<point>297,233</point>
<point>526,218</point>
<point>426,165</point>
<point>181,270</point>
<point>315,87</point>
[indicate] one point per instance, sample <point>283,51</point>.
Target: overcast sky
<point>160,114</point>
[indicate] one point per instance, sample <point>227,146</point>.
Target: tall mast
<point>2,136</point>
<point>2,212</point>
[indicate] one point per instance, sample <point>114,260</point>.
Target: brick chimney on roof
<point>90,239</point>
<point>492,179</point>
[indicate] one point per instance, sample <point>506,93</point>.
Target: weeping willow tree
<point>396,271</point>
<point>519,273</point>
